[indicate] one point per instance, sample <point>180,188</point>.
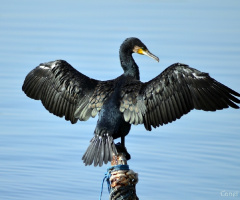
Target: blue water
<point>196,157</point>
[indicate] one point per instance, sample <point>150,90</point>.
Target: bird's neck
<point>129,66</point>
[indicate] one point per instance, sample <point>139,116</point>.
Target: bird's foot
<point>122,149</point>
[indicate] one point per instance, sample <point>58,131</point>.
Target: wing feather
<point>173,93</point>
<point>66,92</point>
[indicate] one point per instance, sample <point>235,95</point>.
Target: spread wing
<point>173,93</point>
<point>66,92</point>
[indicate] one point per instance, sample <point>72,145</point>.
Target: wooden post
<point>122,180</point>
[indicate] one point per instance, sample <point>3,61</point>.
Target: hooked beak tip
<point>149,54</point>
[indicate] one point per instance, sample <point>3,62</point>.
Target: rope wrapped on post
<point>121,180</point>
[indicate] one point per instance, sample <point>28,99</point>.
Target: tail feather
<point>100,150</point>
<point>86,157</point>
<point>107,152</point>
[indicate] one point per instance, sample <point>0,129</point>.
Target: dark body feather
<point>125,100</point>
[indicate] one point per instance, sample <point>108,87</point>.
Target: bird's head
<point>136,46</point>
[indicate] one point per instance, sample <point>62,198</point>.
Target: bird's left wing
<point>64,91</point>
<point>173,93</point>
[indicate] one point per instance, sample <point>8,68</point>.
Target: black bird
<point>125,100</point>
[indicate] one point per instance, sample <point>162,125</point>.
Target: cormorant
<point>125,100</point>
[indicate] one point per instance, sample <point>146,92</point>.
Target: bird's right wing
<point>66,92</point>
<point>173,93</point>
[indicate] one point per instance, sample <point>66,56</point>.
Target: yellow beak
<point>147,53</point>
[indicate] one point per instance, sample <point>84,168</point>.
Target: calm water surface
<point>196,157</point>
